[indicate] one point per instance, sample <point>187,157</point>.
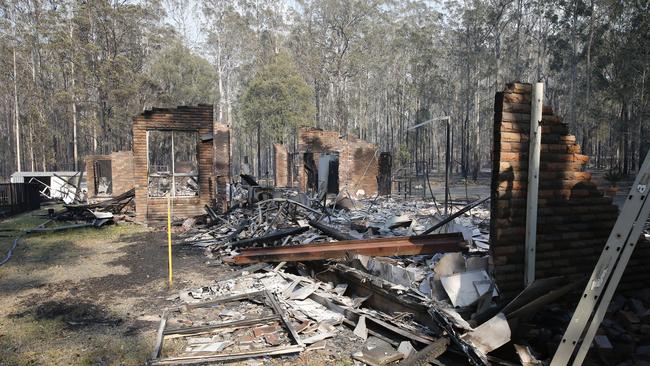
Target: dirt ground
<point>88,296</point>
<point>94,296</point>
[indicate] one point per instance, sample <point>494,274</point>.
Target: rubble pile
<point>412,307</point>
<point>623,338</point>
<point>401,306</point>
<point>261,311</point>
<point>290,218</point>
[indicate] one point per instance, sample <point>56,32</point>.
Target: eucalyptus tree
<point>275,101</point>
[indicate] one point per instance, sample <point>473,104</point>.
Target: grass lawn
<point>86,296</point>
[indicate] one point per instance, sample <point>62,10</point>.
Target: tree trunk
<point>477,132</point>
<point>574,61</point>
<point>518,41</point>
<point>94,137</point>
<point>220,81</point>
<point>75,144</point>
<point>16,111</point>
<point>643,145</point>
<point>32,157</point>
<point>259,151</point>
<point>229,92</point>
<point>588,125</point>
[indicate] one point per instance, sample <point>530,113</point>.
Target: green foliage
<point>277,99</point>
<point>374,66</point>
<point>180,77</point>
<point>403,154</point>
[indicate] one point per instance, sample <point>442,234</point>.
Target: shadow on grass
<point>39,253</point>
<point>146,259</point>
<point>18,274</point>
<point>31,340</point>
<point>72,312</point>
<point>11,285</point>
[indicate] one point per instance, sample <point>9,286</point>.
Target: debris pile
<point>287,218</point>
<point>268,311</point>
<point>370,264</point>
<point>74,216</point>
<point>413,286</point>
<point>622,339</point>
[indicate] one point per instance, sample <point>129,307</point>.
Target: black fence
<point>18,197</point>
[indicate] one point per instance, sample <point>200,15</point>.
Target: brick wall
<point>281,161</point>
<point>121,171</point>
<point>358,167</point>
<point>574,218</point>
<point>221,146</point>
<point>199,119</point>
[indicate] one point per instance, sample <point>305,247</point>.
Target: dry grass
<point>93,297</point>
<point>43,267</point>
<point>33,341</point>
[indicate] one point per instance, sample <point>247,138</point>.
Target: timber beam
<point>407,245</point>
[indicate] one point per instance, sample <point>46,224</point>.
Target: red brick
<point>574,219</point>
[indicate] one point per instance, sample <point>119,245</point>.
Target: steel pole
<point>447,167</point>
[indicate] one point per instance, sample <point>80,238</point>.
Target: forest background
<point>74,73</point>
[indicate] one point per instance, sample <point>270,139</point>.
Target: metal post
<point>447,166</point>
<point>533,181</point>
<point>169,239</point>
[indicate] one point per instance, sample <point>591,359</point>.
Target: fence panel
<point>18,197</point>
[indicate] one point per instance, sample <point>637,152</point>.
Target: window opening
<point>173,163</point>
<point>103,177</point>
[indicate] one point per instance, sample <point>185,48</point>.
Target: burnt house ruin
<point>108,176</point>
<point>175,155</point>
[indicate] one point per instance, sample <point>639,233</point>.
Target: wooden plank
<point>160,336</point>
<point>281,313</point>
<point>188,360</point>
<point>224,299</point>
<point>271,237</point>
<point>329,231</point>
<point>209,328</point>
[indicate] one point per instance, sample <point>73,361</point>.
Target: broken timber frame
<point>330,231</point>
<point>408,245</point>
<point>268,298</point>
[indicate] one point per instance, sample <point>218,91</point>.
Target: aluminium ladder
<point>606,275</point>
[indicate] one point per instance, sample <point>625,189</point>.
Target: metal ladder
<point>607,273</point>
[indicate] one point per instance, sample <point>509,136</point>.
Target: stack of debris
<point>276,312</point>
<point>119,204</point>
<point>119,208</point>
<point>623,337</point>
<point>415,286</point>
<point>260,311</point>
<point>274,218</point>
<point>404,289</point>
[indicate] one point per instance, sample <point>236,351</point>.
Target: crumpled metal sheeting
<point>444,322</point>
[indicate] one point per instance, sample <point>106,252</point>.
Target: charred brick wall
<point>281,160</point>
<point>199,119</point>
<point>358,166</point>
<point>121,171</point>
<point>574,218</point>
<point>221,146</point>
